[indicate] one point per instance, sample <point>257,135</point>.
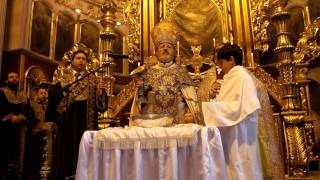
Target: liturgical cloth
<point>182,152</point>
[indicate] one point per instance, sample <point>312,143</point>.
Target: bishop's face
<point>166,52</point>
<point>79,62</point>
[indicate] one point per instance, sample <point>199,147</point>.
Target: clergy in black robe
<point>74,108</point>
<point>12,124</point>
<point>35,133</point>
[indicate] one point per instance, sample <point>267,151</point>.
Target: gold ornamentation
<point>166,83</point>
<point>90,8</point>
<point>132,17</point>
<point>260,24</point>
<point>309,128</point>
<point>65,65</point>
<point>291,112</point>
<point>107,37</point>
<point>197,61</point>
<point>123,98</point>
<point>271,84</point>
<point>308,46</point>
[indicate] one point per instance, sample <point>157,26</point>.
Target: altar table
<point>182,152</point>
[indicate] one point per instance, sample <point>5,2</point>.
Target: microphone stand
<point>93,71</point>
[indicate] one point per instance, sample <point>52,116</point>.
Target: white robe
<point>235,112</point>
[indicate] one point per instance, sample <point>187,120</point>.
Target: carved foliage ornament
<point>132,17</point>
<point>260,23</point>
<point>308,46</point>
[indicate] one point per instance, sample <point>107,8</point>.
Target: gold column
<point>148,17</point>
<point>107,37</point>
<point>292,113</point>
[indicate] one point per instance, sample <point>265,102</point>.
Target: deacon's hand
<point>215,88</point>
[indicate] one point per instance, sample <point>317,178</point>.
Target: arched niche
<point>41,28</point>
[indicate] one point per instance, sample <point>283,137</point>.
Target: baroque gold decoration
<point>90,8</point>
<point>260,23</point>
<point>307,50</point>
<point>271,84</point>
<point>291,112</point>
<point>308,46</point>
<point>123,98</point>
<point>197,61</point>
<point>65,65</point>
<point>132,17</point>
<point>107,37</point>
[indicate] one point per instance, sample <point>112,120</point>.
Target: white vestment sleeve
<point>237,99</point>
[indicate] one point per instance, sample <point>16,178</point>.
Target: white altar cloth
<point>182,152</point>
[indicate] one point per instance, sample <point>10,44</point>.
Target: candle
<point>214,43</point>
<point>138,64</point>
<point>178,48</point>
<point>224,40</point>
<point>100,59</point>
<point>252,57</point>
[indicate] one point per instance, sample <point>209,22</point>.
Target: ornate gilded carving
<point>308,46</point>
<point>123,98</point>
<point>65,65</point>
<point>271,84</point>
<point>107,37</point>
<point>132,17</point>
<point>292,113</point>
<point>296,149</point>
<point>260,23</point>
<point>90,8</point>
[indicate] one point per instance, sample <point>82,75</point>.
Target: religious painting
<point>90,36</point>
<point>41,28</point>
<point>200,23</point>
<point>65,35</point>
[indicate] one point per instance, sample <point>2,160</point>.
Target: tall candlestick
<point>178,48</point>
